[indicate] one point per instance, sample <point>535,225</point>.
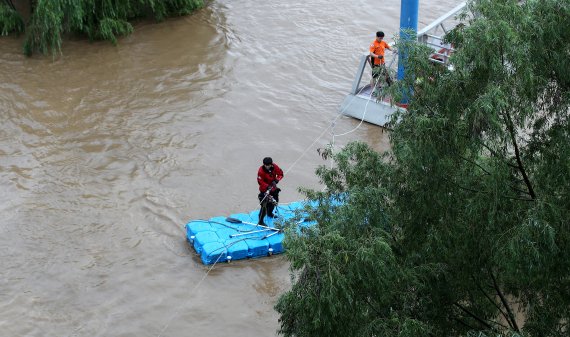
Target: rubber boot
<point>262,213</point>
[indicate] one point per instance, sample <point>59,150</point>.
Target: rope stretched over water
<point>363,114</point>
<point>331,127</point>
<point>333,122</point>
<point>225,247</point>
<point>176,313</point>
<point>366,106</point>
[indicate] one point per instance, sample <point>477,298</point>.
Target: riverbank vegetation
<point>463,228</point>
<point>49,21</point>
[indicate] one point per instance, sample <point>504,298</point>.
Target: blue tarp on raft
<point>218,240</point>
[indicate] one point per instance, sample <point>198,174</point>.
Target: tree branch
<point>503,313</point>
<point>511,317</point>
<point>519,190</point>
<point>488,173</point>
<point>474,163</point>
<point>465,324</point>
<point>10,4</point>
<point>496,154</point>
<point>477,318</point>
<point>484,192</point>
<point>367,299</point>
<point>521,168</point>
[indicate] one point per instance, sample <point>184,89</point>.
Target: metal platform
<point>362,104</point>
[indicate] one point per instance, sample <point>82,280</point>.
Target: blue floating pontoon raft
<point>238,236</point>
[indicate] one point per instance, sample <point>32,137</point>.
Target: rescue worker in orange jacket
<point>377,48</point>
<point>268,175</point>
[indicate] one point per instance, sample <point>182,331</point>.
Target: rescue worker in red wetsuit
<point>268,175</point>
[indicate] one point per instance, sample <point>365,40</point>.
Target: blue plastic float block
<point>295,208</point>
<point>220,221</point>
<point>225,229</point>
<point>307,224</point>
<point>243,228</point>
<point>257,247</point>
<point>196,226</point>
<point>212,238</point>
<point>256,233</point>
<point>284,213</point>
<point>280,213</point>
<point>297,205</point>
<point>203,238</point>
<point>248,223</point>
<point>237,249</point>
<point>224,233</point>
<point>336,203</point>
<point>213,252</point>
<point>282,210</point>
<point>276,243</point>
<point>254,215</point>
<point>244,217</point>
<point>267,220</point>
<point>303,225</point>
<point>312,203</point>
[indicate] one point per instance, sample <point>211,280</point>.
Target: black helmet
<point>267,161</point>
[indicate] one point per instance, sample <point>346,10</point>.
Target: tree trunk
<point>24,7</point>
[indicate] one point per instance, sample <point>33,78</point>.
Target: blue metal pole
<point>408,21</point>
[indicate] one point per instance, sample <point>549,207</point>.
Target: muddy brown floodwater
<point>107,151</point>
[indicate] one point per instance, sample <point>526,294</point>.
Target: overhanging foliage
<point>96,19</point>
<point>463,228</point>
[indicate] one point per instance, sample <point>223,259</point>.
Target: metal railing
<point>432,37</point>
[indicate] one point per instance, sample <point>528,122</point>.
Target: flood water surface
<point>107,151</point>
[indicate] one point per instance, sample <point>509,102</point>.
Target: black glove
<point>274,183</point>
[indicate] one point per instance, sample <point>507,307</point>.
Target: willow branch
<point>511,317</point>
<point>496,154</point>
<point>519,190</point>
<point>489,297</point>
<point>367,300</point>
<point>465,324</point>
<point>477,318</point>
<point>521,168</point>
<point>474,163</point>
<point>485,192</point>
<point>488,173</point>
<point>10,4</point>
<point>503,313</point>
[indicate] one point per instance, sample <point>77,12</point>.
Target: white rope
<point>366,106</point>
<point>189,297</point>
<point>363,115</point>
<point>333,135</point>
<point>331,126</point>
<point>307,149</point>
